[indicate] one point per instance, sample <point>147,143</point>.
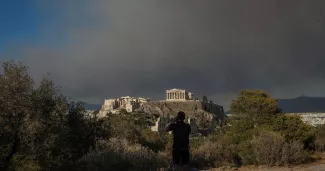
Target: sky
<point>97,49</point>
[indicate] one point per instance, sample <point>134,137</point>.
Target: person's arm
<point>169,127</point>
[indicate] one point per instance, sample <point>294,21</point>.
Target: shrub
<point>270,148</point>
<point>214,154</point>
<point>153,140</point>
<point>117,154</point>
<point>245,153</point>
<point>292,128</point>
<point>24,163</point>
<point>320,139</point>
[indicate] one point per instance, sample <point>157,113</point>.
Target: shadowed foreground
<point>317,166</point>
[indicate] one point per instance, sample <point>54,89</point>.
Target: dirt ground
<point>317,166</point>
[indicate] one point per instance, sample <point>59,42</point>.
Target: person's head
<point>181,116</point>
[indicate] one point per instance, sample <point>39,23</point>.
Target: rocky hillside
<point>194,109</point>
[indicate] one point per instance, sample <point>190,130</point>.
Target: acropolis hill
<point>176,100</point>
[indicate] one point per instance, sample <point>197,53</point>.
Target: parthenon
<point>178,95</point>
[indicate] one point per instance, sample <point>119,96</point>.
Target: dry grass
<point>214,154</point>
<point>271,149</point>
<point>268,148</point>
<point>117,154</point>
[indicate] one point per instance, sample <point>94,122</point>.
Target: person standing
<point>181,132</point>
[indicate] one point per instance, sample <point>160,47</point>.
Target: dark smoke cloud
<point>215,48</point>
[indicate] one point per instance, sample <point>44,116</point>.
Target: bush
<point>24,163</point>
<point>270,148</point>
<point>214,154</point>
<point>245,153</point>
<point>117,154</point>
<point>320,139</point>
<point>153,140</point>
<point>292,128</point>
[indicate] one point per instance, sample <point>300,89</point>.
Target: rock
<point>194,109</point>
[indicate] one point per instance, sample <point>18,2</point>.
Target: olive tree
<point>39,127</point>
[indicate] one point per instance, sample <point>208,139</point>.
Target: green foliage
<point>124,127</point>
<point>153,140</point>
<point>292,128</point>
<point>254,102</point>
<point>24,163</point>
<point>123,111</point>
<point>259,129</point>
<point>40,128</point>
<point>320,138</point>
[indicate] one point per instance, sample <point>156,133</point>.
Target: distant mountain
<point>302,104</point>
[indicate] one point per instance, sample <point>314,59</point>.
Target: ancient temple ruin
<point>178,95</point>
<point>128,103</point>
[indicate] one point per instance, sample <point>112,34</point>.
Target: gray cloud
<point>141,48</point>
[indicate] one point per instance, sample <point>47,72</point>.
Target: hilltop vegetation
<point>41,129</point>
